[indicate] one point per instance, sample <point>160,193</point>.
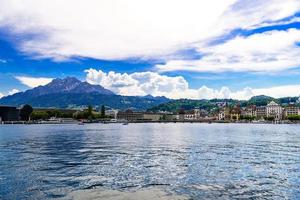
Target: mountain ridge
<point>61,93</point>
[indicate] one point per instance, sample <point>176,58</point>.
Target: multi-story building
<point>152,116</point>
<point>192,114</point>
<point>9,113</point>
<point>274,110</point>
<point>235,113</point>
<point>249,111</point>
<point>180,114</point>
<point>261,112</point>
<point>229,113</point>
<point>111,113</point>
<point>221,115</point>
<point>291,110</point>
<point>129,115</point>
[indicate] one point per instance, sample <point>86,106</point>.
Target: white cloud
<point>279,91</point>
<point>109,29</point>
<point>264,52</point>
<point>3,61</point>
<point>33,81</point>
<point>13,91</point>
<point>246,93</point>
<point>143,83</point>
<point>1,95</point>
<point>139,83</point>
<point>118,29</point>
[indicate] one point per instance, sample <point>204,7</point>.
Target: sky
<point>198,49</point>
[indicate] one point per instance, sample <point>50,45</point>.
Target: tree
<point>102,111</point>
<point>36,115</point>
<point>25,112</point>
<point>294,117</point>
<point>270,118</point>
<point>54,113</point>
<point>90,110</point>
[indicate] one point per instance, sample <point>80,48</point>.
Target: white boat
<point>54,120</point>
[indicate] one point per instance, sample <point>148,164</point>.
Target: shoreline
<point>147,122</point>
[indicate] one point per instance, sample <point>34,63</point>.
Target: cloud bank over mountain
<point>143,83</point>
<point>33,81</point>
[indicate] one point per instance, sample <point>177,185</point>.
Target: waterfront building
<point>235,113</point>
<point>170,116</point>
<point>230,113</point>
<point>129,115</point>
<point>274,110</point>
<point>249,111</point>
<point>152,116</point>
<point>261,112</point>
<point>224,113</point>
<point>9,113</point>
<point>291,109</point>
<point>111,113</point>
<point>221,115</point>
<point>180,114</point>
<point>192,114</point>
<point>227,113</point>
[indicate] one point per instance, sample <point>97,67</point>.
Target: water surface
<point>176,160</point>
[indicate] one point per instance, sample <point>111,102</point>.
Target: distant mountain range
<point>63,93</point>
<point>71,92</point>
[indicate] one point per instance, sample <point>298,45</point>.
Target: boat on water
<point>80,122</point>
<point>54,120</point>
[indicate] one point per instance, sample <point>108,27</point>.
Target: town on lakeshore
<point>70,100</point>
<point>271,113</point>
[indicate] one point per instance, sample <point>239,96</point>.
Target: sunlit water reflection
<point>220,161</point>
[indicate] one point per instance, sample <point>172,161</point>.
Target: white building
<point>274,110</point>
<point>221,115</point>
<point>111,113</point>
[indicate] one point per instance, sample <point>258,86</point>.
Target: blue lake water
<point>198,161</point>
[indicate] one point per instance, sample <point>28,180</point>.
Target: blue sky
<point>208,49</point>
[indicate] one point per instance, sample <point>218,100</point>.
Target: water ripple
<point>196,161</point>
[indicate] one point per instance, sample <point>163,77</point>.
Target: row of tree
<point>89,113</point>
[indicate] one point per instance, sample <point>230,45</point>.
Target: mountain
<point>67,85</point>
<point>63,93</point>
<point>260,100</point>
<point>71,92</point>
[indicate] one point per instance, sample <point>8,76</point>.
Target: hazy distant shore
<point>147,122</point>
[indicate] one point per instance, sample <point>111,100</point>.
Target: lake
<point>150,161</point>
